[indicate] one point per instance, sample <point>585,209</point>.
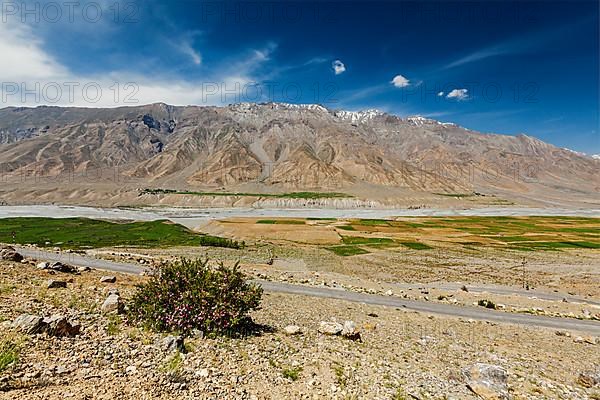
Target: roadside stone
<point>587,339</point>
<point>43,265</point>
<point>590,340</point>
<point>83,269</point>
<point>112,304</point>
<point>172,343</point>
<point>487,381</point>
<point>292,330</point>
<point>108,279</point>
<point>330,328</point>
<point>60,267</point>
<point>58,325</point>
<point>52,284</point>
<point>8,253</point>
<point>29,324</point>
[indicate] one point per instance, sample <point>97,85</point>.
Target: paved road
<point>500,290</point>
<point>592,327</point>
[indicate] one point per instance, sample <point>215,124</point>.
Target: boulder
<point>108,279</point>
<point>52,284</point>
<point>112,304</point>
<point>29,323</point>
<point>58,325</point>
<point>292,330</point>
<point>330,328</point>
<point>8,253</point>
<point>487,381</point>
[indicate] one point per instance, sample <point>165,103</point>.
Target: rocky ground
<point>400,355</point>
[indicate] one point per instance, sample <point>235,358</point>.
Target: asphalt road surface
<point>466,312</point>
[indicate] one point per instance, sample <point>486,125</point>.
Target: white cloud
<point>338,67</point>
<point>187,49</point>
<point>399,81</point>
<point>23,56</point>
<point>27,66</point>
<point>440,94</point>
<point>458,94</point>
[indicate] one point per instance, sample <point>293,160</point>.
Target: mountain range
<point>63,154</point>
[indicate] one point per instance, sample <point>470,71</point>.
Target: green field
<point>280,222</point>
<point>533,233</point>
<point>292,195</point>
<point>84,233</point>
<point>416,246</point>
<point>366,240</point>
<point>345,251</point>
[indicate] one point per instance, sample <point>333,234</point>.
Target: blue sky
<point>505,67</point>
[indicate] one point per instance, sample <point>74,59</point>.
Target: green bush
<point>192,294</point>
<point>9,353</point>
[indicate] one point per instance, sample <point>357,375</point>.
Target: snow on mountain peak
<point>357,116</point>
<point>419,120</point>
<point>290,106</point>
<point>278,106</point>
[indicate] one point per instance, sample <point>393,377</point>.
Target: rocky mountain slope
<point>278,147</point>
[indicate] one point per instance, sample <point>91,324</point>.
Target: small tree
<point>191,294</point>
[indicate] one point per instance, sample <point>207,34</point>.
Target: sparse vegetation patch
<point>194,294</point>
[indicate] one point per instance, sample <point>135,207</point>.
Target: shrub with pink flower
<point>193,294</point>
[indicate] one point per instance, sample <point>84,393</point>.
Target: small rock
<point>589,379</point>
<point>292,330</point>
<point>464,288</point>
<point>29,324</point>
<point>487,381</point>
<point>83,269</point>
<point>58,325</point>
<point>60,267</point>
<point>108,279</point>
<point>389,293</point>
<point>330,328</point>
<point>43,265</point>
<point>112,304</point>
<point>590,340</point>
<point>8,253</point>
<point>132,369</point>
<point>203,373</point>
<point>60,370</point>
<point>349,331</point>
<point>173,343</point>
<point>52,284</point>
